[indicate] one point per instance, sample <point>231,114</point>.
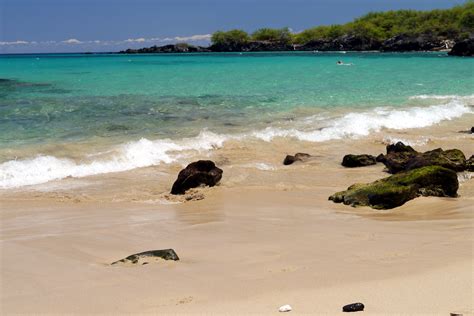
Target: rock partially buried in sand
<point>352,161</point>
<point>202,172</point>
<point>289,159</point>
<point>397,189</point>
<point>400,157</point>
<point>146,256</point>
<point>285,308</point>
<point>355,307</point>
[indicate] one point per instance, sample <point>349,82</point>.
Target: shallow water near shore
<point>82,115</point>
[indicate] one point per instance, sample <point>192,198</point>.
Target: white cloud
<point>15,43</point>
<point>139,40</point>
<point>136,40</point>
<point>198,37</point>
<point>72,41</point>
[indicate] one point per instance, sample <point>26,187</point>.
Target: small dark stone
<point>472,130</point>
<point>202,172</point>
<point>289,159</point>
<point>355,307</point>
<point>352,161</point>
<point>297,157</point>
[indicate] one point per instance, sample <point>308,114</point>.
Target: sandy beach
<point>265,237</point>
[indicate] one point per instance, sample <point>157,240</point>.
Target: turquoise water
<point>113,99</point>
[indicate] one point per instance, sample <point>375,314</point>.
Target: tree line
<point>454,23</point>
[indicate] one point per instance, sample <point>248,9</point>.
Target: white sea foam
<point>142,153</point>
<point>145,152</point>
<point>418,142</point>
<point>260,166</point>
<point>441,97</point>
<point>354,125</point>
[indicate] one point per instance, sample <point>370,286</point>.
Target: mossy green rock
<point>397,189</point>
<point>453,159</point>
<point>403,160</point>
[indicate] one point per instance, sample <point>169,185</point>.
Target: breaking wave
<point>144,152</point>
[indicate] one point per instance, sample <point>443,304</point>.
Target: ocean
<point>78,115</point>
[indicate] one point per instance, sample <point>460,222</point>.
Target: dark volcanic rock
<point>345,42</point>
<point>472,130</point>
<point>406,43</point>
<point>297,157</point>
<point>202,172</point>
<point>399,147</point>
<point>352,161</point>
<point>397,157</point>
<point>453,159</point>
<point>357,43</point>
<point>355,307</point>
<point>166,254</point>
<point>400,157</point>
<point>397,189</point>
<point>470,164</point>
<point>463,48</point>
<point>252,46</point>
<point>318,45</point>
<point>172,48</point>
<point>380,158</point>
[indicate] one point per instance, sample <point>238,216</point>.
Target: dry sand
<point>262,239</point>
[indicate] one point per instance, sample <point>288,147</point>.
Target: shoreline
<point>297,131</point>
<point>237,52</point>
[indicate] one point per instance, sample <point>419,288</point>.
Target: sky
<point>33,26</point>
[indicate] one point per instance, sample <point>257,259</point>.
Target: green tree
<point>282,35</point>
<point>231,37</point>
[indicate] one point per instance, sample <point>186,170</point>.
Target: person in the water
<point>340,63</point>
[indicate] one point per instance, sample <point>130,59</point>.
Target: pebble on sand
<point>285,308</point>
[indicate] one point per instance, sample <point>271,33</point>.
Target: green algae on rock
<point>403,158</point>
<point>397,189</point>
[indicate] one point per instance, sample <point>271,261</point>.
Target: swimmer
<point>340,63</point>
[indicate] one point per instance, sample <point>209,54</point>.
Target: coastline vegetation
<point>454,23</point>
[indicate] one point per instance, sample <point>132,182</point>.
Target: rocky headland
<point>399,43</point>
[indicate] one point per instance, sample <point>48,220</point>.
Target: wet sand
<point>265,237</point>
